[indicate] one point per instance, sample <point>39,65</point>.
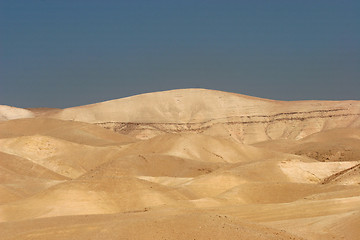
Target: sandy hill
<point>246,119</point>
<point>21,178</point>
<point>181,164</point>
<point>65,158</point>
<point>92,196</point>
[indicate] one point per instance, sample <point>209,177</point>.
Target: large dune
<point>181,164</point>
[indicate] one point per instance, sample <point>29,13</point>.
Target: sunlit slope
<point>8,113</point>
<point>176,106</point>
<point>341,226</point>
<point>65,158</point>
<point>246,119</point>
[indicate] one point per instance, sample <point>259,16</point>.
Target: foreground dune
<point>182,164</point>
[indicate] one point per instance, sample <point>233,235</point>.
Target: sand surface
<point>181,164</point>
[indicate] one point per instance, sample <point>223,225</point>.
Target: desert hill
<point>243,118</point>
<point>181,164</point>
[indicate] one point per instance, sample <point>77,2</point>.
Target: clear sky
<point>63,53</point>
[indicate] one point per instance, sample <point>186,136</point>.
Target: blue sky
<point>64,53</point>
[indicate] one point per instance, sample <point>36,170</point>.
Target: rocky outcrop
<point>250,128</point>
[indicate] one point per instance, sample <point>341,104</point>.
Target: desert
<point>181,164</point>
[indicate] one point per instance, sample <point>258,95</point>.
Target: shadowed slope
<point>198,147</point>
<point>155,165</point>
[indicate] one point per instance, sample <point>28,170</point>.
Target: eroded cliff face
<point>250,128</point>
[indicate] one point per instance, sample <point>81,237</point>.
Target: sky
<point>64,53</point>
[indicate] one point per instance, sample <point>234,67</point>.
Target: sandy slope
<point>21,178</point>
<point>164,224</point>
<point>192,176</point>
<point>332,145</point>
<point>65,158</point>
<point>9,113</point>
